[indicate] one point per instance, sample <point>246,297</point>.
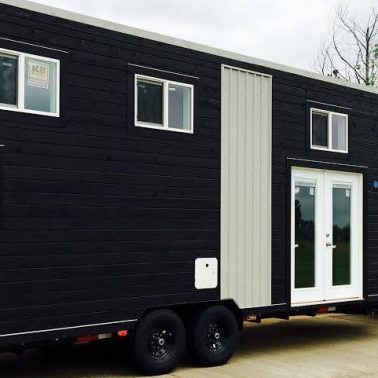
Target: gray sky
<point>284,31</point>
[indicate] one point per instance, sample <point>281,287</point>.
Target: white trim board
<point>93,21</point>
<point>67,328</point>
<point>325,303</point>
<point>326,162</point>
<point>33,44</point>
<point>159,70</point>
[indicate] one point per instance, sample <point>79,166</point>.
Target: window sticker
<point>312,191</point>
<point>347,193</point>
<point>38,74</point>
<point>297,189</point>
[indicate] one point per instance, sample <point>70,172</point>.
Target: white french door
<point>326,236</point>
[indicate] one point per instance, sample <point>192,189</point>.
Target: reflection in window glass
<point>339,132</point>
<point>320,129</point>
<point>329,130</point>
<point>8,79</point>
<point>304,236</point>
<point>341,261</point>
<point>179,107</point>
<point>40,85</point>
<point>150,102</point>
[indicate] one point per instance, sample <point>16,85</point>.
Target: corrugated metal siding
<point>246,187</point>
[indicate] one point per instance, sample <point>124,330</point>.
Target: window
<point>29,83</point>
<point>150,102</point>
<point>329,131</point>
<point>163,104</point>
<point>8,80</point>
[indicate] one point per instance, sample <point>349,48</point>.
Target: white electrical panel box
<point>206,273</point>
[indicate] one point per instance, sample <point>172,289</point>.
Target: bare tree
<point>351,51</point>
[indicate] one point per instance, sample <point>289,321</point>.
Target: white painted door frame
<point>324,291</point>
<point>314,178</point>
<point>354,181</point>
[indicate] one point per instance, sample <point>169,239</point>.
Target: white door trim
<point>323,291</point>
<point>354,290</point>
<point>306,294</point>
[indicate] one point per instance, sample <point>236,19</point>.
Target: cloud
<point>284,31</point>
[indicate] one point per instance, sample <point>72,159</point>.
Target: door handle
<point>296,245</point>
<point>328,244</point>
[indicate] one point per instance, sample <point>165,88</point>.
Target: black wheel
<point>214,335</point>
<point>159,342</point>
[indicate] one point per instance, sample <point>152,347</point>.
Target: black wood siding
<point>101,219</point>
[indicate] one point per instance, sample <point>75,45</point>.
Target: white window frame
<point>329,125</point>
<point>20,106</point>
<point>165,124</point>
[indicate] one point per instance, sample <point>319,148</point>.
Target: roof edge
<point>97,22</point>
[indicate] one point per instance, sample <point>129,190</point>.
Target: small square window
<point>163,104</point>
<point>150,102</point>
<point>8,79</point>
<point>329,131</point>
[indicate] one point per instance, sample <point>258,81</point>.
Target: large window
<point>29,83</point>
<point>329,131</point>
<point>163,104</point>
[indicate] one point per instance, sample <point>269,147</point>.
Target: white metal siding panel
<point>246,182</point>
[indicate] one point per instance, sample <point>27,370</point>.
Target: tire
<point>159,342</point>
<point>214,336</point>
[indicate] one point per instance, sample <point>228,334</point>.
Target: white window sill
<point>328,150</point>
<point>15,109</point>
<point>157,127</point>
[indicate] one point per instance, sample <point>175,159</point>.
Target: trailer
<point>167,191</point>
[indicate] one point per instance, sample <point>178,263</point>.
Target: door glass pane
<point>339,125</point>
<point>8,79</point>
<point>180,103</point>
<point>341,269</point>
<point>40,85</point>
<point>320,129</point>
<point>150,102</point>
<point>304,236</point>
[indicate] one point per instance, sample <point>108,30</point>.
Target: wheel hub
<point>161,342</point>
<point>216,337</point>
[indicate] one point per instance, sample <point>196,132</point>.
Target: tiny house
<point>168,191</point>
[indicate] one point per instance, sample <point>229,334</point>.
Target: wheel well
<point>185,311</point>
<point>230,304</point>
